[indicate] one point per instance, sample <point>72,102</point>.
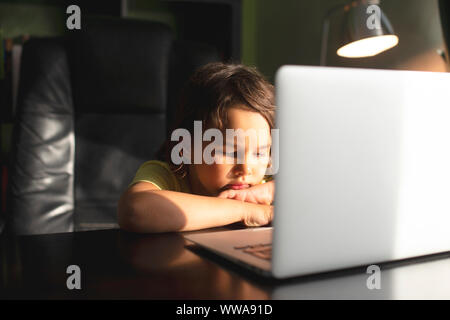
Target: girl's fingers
<point>243,195</point>
<point>231,194</point>
<point>228,194</point>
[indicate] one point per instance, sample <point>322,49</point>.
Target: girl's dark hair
<point>210,92</point>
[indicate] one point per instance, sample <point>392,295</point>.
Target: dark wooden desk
<point>119,265</point>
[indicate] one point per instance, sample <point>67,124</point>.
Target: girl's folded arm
<point>145,208</point>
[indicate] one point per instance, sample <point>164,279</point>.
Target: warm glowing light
<point>368,47</point>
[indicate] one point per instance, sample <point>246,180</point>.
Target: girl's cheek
<point>211,172</point>
<point>219,173</point>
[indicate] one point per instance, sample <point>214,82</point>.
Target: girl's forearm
<point>166,211</point>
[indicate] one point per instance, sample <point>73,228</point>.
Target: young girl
<point>166,197</point>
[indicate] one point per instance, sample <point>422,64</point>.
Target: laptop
<point>364,173</point>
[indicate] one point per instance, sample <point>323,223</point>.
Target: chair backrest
<point>92,107</point>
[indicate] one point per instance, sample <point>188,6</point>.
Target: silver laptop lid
<point>364,167</point>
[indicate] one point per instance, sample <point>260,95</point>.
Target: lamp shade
<point>366,32</point>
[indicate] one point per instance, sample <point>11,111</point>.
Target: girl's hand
<point>259,194</point>
<point>260,216</point>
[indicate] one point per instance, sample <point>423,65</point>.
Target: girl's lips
<point>237,186</point>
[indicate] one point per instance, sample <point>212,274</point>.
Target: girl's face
<point>248,170</point>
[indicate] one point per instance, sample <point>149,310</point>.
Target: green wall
<point>249,32</point>
<point>152,10</point>
<point>31,18</point>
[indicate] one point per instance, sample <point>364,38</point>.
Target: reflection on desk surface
<point>116,264</point>
<point>184,273</point>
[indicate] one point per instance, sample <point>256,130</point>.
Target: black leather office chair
<point>92,107</point>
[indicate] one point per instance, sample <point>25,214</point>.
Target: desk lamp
<point>367,31</point>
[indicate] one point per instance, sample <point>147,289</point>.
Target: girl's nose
<point>243,169</point>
